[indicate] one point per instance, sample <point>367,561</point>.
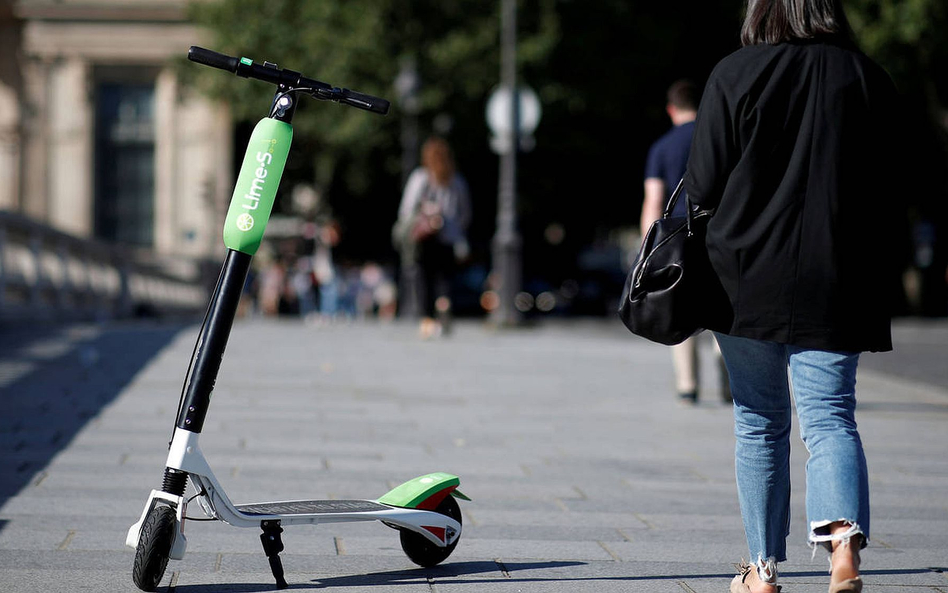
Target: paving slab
<point>585,472</point>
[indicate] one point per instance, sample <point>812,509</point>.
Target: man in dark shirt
<point>668,156</point>
<point>664,168</point>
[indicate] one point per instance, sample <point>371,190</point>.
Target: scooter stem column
<point>244,225</point>
<point>213,340</point>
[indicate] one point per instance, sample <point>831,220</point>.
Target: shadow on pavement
<point>53,380</point>
<point>442,572</point>
<point>467,568</point>
<point>508,570</point>
<point>234,588</point>
<point>396,577</point>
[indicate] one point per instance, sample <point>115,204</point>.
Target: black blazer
<point>794,146</point>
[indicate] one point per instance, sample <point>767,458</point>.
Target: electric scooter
<point>423,510</point>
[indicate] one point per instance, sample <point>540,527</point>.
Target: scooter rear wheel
<point>154,547</point>
<point>420,550</point>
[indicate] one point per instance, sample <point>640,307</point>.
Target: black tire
<point>154,547</point>
<point>420,550</point>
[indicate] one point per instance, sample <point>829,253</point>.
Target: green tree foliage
<point>902,33</point>
<point>361,44</point>
<point>908,38</point>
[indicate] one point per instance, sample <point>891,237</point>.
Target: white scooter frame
<point>430,491</point>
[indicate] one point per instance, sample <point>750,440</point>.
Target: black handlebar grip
<point>212,58</point>
<point>363,101</point>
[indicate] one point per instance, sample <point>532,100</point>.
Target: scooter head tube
<point>424,492</point>
<point>257,185</point>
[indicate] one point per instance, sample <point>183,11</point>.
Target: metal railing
<point>46,274</point>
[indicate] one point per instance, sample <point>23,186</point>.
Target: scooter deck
<point>311,507</point>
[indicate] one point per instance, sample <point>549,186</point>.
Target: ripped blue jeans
<point>764,377</point>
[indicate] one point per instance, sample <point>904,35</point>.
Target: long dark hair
<point>777,21</point>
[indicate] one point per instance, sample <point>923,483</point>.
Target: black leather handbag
<point>672,292</point>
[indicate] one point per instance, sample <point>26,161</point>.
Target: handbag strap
<point>670,206</point>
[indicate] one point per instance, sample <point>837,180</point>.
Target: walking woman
<point>793,146</point>
<point>431,232</point>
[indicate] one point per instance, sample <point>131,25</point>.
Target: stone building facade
<point>99,138</point>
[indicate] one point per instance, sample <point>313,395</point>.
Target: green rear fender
<point>424,492</point>
<point>257,185</point>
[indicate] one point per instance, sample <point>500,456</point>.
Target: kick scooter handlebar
<point>289,79</point>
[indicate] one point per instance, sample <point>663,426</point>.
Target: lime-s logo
<point>245,222</point>
<point>252,198</point>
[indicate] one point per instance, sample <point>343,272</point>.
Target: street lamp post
<point>407,84</point>
<point>507,243</point>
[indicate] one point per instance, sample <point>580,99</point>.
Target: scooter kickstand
<point>272,546</point>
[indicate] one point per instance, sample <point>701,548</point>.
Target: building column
<point>33,197</point>
<point>70,147</point>
<point>11,85</point>
<point>9,149</point>
<point>168,217</point>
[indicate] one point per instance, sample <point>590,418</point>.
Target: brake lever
<point>352,99</point>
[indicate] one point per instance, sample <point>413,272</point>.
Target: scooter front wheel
<point>421,551</point>
<point>154,547</point>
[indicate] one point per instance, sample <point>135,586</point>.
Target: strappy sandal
<point>853,585</point>
<point>739,585</point>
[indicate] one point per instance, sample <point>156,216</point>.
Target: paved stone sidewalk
<point>584,472</point>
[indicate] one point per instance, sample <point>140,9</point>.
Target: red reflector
<point>438,531</point>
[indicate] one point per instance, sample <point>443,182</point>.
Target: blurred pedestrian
<point>272,279</point>
<point>431,232</point>
<point>303,282</point>
<point>794,147</point>
<point>324,269</point>
<point>664,168</point>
